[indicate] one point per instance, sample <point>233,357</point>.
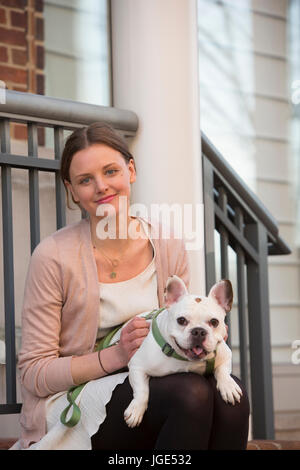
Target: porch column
<point>155,74</point>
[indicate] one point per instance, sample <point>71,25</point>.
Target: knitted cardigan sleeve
<point>42,371</point>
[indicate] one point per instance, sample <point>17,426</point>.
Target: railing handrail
<point>50,109</point>
<point>243,190</point>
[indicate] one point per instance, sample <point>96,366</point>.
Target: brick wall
<point>22,48</point>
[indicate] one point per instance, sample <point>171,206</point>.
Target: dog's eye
<point>214,322</point>
<point>182,321</point>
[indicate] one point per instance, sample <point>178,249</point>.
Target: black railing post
<point>59,187</point>
<point>241,298</point>
<point>8,264</point>
<point>34,200</point>
<point>209,224</point>
<point>259,335</point>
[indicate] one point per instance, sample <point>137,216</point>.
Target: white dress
<point>119,302</point>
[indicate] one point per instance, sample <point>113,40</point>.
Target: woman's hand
<point>132,336</point>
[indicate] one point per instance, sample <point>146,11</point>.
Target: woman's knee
<point>244,404</point>
<point>242,407</point>
<point>188,391</point>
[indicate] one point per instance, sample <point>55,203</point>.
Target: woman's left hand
<point>132,336</point>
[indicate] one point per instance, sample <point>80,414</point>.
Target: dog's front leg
<point>227,386</point>
<point>139,382</point>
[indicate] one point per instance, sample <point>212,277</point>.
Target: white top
<point>123,300</point>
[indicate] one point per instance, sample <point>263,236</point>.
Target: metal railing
<point>37,111</point>
<point>245,225</point>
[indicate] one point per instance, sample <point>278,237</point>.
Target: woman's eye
<point>85,180</point>
<point>111,172</point>
<point>214,322</point>
<point>182,321</point>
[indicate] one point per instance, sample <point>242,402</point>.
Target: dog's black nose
<point>199,333</point>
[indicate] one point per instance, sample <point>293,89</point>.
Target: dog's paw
<point>229,389</point>
<point>134,413</point>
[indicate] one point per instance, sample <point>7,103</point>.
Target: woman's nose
<point>101,184</point>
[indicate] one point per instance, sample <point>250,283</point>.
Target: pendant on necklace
<point>114,263</point>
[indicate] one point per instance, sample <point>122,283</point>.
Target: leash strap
<point>210,365</point>
<point>165,347</point>
<point>72,394</point>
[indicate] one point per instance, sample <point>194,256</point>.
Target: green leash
<point>104,343</point>
<point>72,394</point>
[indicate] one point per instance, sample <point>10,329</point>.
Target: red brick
<point>3,54</point>
<point>20,131</point>
<point>39,29</point>
<point>18,19</point>
<point>40,57</point>
<point>14,3</point>
<point>22,88</point>
<point>13,74</point>
<point>13,37</point>
<point>2,16</point>
<point>39,5</point>
<point>40,84</point>
<point>19,57</point>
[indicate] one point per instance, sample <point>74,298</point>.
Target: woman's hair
<point>96,133</point>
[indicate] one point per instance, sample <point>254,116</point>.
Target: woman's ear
<point>131,168</point>
<point>70,188</point>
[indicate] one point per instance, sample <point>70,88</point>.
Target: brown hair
<point>96,133</point>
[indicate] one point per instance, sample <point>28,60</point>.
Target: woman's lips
<point>105,199</point>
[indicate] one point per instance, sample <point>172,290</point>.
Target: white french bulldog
<point>193,329</point>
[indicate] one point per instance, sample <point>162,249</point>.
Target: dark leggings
<point>185,411</point>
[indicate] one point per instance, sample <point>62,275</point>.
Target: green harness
<point>104,343</point>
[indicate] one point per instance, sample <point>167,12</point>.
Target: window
<point>77,50</point>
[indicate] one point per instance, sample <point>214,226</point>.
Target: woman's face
<point>100,174</point>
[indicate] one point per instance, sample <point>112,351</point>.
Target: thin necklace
<point>114,262</point>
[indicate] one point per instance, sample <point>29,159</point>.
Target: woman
<point>73,271</point>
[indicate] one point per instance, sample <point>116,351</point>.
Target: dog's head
<point>196,324</point>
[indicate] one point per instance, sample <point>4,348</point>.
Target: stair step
<point>273,445</point>
<point>5,444</point>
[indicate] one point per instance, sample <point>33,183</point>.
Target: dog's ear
<point>222,293</point>
<point>175,289</point>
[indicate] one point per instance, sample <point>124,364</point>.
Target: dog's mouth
<point>194,353</point>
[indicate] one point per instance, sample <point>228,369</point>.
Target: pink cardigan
<point>60,313</point>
